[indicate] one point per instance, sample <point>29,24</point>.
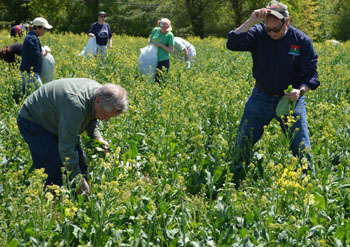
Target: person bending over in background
<point>16,31</point>
<point>31,54</point>
<point>11,53</point>
<point>163,38</point>
<point>187,49</point>
<point>282,55</point>
<point>103,33</point>
<point>52,118</point>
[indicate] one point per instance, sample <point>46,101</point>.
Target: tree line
<point>320,19</point>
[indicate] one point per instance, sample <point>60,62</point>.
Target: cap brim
<point>276,14</point>
<point>48,26</point>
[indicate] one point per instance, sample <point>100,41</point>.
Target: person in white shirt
<point>187,49</point>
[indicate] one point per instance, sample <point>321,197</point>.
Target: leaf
<point>338,243</point>
<point>14,243</point>
<point>340,232</point>
<point>243,232</point>
<point>289,89</point>
<point>134,150</point>
<point>302,230</point>
<point>172,146</point>
<point>283,107</point>
<point>320,200</point>
<point>344,186</point>
<point>76,231</point>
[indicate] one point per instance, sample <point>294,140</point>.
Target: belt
<point>267,93</point>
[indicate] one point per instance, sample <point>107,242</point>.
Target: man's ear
<point>98,100</point>
<point>287,20</point>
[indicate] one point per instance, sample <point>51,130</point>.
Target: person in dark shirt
<point>282,56</point>
<point>103,33</point>
<point>31,54</point>
<point>16,31</point>
<point>11,53</point>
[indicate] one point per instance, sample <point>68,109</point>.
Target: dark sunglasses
<point>103,16</point>
<point>275,30</point>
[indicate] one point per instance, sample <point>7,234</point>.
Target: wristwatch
<point>302,92</point>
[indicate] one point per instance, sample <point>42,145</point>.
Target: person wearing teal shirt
<point>163,38</point>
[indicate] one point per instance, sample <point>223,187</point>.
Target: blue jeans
<point>43,147</point>
<point>259,110</point>
<point>101,50</point>
<point>30,79</point>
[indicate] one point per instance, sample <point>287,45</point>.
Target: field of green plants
<point>165,180</point>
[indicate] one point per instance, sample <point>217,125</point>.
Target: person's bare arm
<point>257,16</point>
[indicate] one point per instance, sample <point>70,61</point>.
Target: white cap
<point>39,21</point>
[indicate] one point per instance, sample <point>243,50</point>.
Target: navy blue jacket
<point>102,32</point>
<point>31,54</point>
<point>278,63</point>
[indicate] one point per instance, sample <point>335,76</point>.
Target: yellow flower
<point>49,196</point>
<point>70,212</point>
<point>99,195</point>
<point>309,199</point>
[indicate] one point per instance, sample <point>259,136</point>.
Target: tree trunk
<point>237,6</point>
<point>195,11</point>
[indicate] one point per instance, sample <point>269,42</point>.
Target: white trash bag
<point>90,48</point>
<point>148,60</point>
<point>47,68</point>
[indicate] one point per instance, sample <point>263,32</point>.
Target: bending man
<point>52,118</point>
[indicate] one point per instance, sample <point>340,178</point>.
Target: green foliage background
<point>320,19</point>
<point>165,180</point>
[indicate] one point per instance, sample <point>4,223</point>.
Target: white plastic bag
<point>47,68</point>
<point>90,48</point>
<point>148,60</point>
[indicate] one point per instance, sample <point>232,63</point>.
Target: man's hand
<point>102,141</point>
<point>259,15</point>
<point>294,95</point>
<point>84,188</point>
<point>91,35</point>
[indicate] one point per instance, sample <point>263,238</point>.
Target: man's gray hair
<point>113,97</point>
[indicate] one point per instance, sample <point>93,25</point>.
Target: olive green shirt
<point>65,107</point>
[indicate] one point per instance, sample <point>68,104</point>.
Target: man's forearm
<point>245,26</point>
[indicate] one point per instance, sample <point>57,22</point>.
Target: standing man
<point>103,33</point>
<point>282,55</point>
<point>52,118</point>
<point>186,48</point>
<point>32,53</point>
